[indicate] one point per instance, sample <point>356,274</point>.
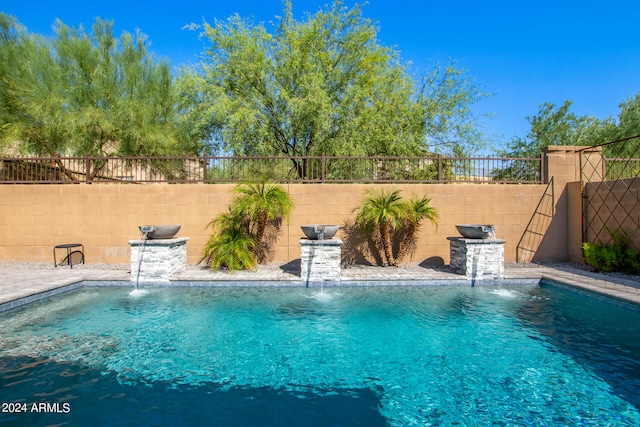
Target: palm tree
<point>415,210</point>
<point>381,211</point>
<point>262,202</point>
<point>230,244</point>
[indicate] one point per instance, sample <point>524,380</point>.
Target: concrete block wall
<point>104,217</point>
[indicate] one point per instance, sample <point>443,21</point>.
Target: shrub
<point>238,238</point>
<point>616,256</point>
<point>230,245</point>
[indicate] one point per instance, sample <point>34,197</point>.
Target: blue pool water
<point>386,356</point>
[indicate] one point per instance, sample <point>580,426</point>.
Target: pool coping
<point>21,287</point>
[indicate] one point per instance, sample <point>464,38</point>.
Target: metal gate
<point>610,175</point>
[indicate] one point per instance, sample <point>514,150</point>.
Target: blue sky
<point>524,53</point>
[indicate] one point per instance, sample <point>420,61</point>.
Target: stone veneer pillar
<point>320,261</point>
<point>157,259</point>
<point>478,259</point>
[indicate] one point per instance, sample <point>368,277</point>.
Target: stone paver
<point>21,286</point>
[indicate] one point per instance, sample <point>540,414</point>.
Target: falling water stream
<point>476,255</point>
<point>495,251</point>
<point>322,295</point>
<point>320,232</point>
<point>492,234</point>
<point>144,231</point>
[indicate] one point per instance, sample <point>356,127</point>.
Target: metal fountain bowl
<point>159,231</point>
<point>476,231</point>
<point>311,230</point>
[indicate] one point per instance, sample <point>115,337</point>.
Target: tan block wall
<point>104,217</point>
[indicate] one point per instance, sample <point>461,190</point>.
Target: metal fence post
<point>87,161</point>
<point>204,167</point>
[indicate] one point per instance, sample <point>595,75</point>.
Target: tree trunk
<point>300,167</point>
<point>262,225</point>
<point>63,168</point>
<point>385,235</point>
<point>405,243</point>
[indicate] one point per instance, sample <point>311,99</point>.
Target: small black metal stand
<point>73,256</point>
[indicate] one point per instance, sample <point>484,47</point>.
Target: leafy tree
<point>121,94</point>
<point>322,85</point>
<point>559,126</point>
<point>88,94</point>
<point>31,104</point>
<point>447,95</point>
<point>629,118</point>
<point>627,128</point>
<point>552,125</point>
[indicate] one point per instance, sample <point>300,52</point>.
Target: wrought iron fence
<point>230,169</point>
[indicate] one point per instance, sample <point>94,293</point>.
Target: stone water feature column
<point>477,259</point>
<point>320,261</point>
<point>156,260</point>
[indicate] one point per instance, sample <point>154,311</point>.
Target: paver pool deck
<point>19,286</point>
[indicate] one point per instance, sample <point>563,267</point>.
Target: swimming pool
<point>377,356</point>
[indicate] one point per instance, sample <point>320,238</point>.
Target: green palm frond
<point>257,198</point>
<point>381,211</point>
<point>384,213</point>
<point>418,209</point>
<point>233,249</point>
<point>378,208</point>
<point>261,203</point>
<point>230,245</point>
<point>237,238</point>
<point>415,210</point>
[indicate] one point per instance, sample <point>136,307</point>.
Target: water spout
<point>320,254</point>
<point>319,230</point>
<point>144,232</point>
